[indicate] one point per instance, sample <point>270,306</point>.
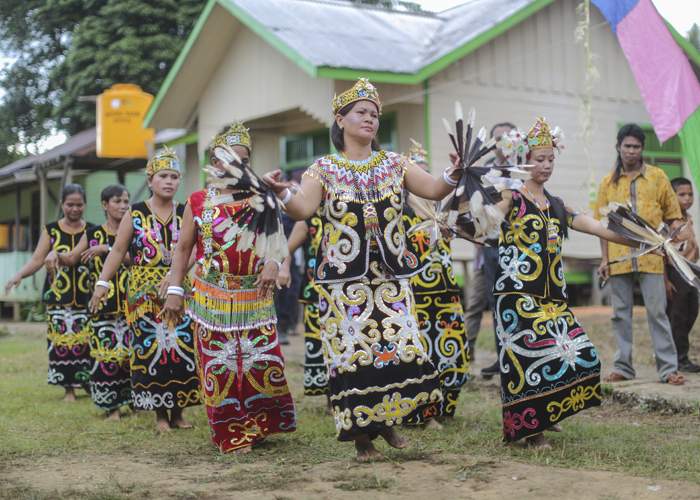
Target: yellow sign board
<point>120,113</point>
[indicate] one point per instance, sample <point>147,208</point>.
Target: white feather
<point>459,114</point>
<point>471,118</point>
<point>481,135</point>
<point>446,124</point>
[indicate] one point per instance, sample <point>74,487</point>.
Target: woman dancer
<point>549,367</point>
<point>438,297</point>
<point>380,376</point>
<point>241,367</point>
<point>163,375</point>
<point>110,380</point>
<point>66,293</point>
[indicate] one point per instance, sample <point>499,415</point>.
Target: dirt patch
<point>438,477</point>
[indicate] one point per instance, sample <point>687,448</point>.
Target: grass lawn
<point>52,449</point>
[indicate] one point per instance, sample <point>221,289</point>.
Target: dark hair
<point>337,137</point>
<point>680,181</point>
<point>70,189</point>
<point>629,130</point>
<point>502,124</point>
<point>111,191</point>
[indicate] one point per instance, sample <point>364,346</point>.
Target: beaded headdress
<point>236,135</point>
<point>542,136</point>
<point>361,91</point>
<point>416,153</point>
<point>163,159</point>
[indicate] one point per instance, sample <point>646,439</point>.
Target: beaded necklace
<point>156,235</point>
<point>369,211</point>
<point>552,229</point>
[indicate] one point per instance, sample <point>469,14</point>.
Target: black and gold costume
<point>379,372</point>
<point>439,312</point>
<point>163,371</point>
<point>549,367</point>
<point>110,380</point>
<point>66,297</point>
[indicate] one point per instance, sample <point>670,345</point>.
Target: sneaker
<point>491,371</point>
<point>688,367</point>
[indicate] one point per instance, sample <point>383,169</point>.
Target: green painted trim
<point>685,44</point>
<point>177,66</point>
<point>253,25</point>
<point>190,138</point>
<point>375,76</point>
<point>483,38</point>
<point>426,118</point>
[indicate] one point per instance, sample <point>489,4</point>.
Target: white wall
<point>254,80</point>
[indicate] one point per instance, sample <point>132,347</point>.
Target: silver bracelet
<point>287,196</point>
<point>449,180</point>
<point>103,284</point>
<point>176,290</point>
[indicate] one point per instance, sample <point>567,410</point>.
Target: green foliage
<point>65,49</point>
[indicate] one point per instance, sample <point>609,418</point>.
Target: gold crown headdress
<point>361,91</point>
<point>542,136</point>
<point>163,159</point>
<point>416,153</point>
<point>236,135</point>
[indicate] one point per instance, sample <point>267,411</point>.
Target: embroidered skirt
<point>163,373</point>
<point>110,378</point>
<point>441,322</point>
<point>68,343</point>
<point>379,372</point>
<point>241,366</point>
<point>549,367</point>
<point>315,373</point>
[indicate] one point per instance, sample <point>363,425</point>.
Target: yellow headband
<point>164,159</point>
<point>542,136</point>
<point>361,91</point>
<point>236,135</point>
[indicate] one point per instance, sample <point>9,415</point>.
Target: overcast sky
<point>680,13</point>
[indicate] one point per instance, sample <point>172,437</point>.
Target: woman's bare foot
<point>114,415</point>
<point>555,428</point>
<point>393,438</point>
<point>177,421</point>
<point>329,406</point>
<point>366,452</point>
<point>243,451</point>
<point>69,396</point>
<point>162,422</point>
<point>433,424</point>
<point>537,441</point>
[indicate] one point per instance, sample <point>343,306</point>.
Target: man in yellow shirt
<point>649,192</point>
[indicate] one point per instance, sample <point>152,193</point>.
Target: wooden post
<point>43,195</point>
<point>18,219</point>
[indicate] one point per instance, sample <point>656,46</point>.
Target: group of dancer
<point>383,318</point>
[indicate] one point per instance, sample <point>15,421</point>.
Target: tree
<point>65,49</point>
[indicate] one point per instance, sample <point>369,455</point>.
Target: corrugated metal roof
<point>81,143</point>
<point>340,34</point>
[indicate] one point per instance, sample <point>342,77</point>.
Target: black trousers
<point>682,310</point>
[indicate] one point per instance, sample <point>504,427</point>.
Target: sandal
<point>616,377</point>
<point>675,378</point>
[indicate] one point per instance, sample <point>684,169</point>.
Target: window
<point>301,150</point>
<point>667,156</point>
